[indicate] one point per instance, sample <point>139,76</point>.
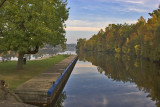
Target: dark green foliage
<point>27,25</point>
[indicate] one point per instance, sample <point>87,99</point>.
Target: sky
<point>87,17</point>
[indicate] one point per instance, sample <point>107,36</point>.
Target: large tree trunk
<point>20,61</point>
<point>21,55</point>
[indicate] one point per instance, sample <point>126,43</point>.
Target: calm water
<point>100,80</point>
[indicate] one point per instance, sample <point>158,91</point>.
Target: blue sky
<point>87,17</point>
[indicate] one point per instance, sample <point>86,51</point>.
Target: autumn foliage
<point>140,39</point>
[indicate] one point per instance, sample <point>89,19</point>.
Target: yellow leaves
<point>136,64</point>
<point>117,50</point>
<point>50,1</point>
<point>128,51</point>
<point>141,19</point>
<point>154,18</point>
<point>137,49</point>
<point>127,67</point>
<point>127,41</point>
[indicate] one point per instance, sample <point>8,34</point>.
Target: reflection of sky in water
<point>82,65</point>
<point>86,87</point>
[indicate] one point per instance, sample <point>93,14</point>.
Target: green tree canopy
<point>27,25</point>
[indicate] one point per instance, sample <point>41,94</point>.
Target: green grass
<point>14,77</point>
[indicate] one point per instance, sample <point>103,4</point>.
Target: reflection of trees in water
<point>61,99</point>
<point>128,69</point>
<point>58,102</point>
<point>100,70</point>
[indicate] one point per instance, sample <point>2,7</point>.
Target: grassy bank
<point>14,77</point>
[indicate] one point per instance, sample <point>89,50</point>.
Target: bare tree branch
<point>2,3</point>
<point>33,51</point>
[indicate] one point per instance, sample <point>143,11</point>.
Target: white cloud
<point>84,65</point>
<point>137,10</point>
<point>86,23</point>
<point>105,101</point>
<point>79,25</point>
<point>140,6</point>
<point>136,2</point>
<point>96,29</point>
<point>131,21</point>
<point>127,1</point>
<point>132,1</point>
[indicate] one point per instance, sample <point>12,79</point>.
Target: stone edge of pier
<point>50,92</point>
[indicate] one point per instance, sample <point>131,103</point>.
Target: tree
<point>80,44</point>
<point>141,39</point>
<point>27,25</point>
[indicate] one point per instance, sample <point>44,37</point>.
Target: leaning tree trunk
<point>20,61</point>
<point>21,55</point>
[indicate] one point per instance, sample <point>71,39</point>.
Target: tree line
<point>140,39</point>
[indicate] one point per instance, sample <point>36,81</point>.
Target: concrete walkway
<point>35,90</point>
<point>9,99</point>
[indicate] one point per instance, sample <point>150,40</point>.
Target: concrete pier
<point>43,89</point>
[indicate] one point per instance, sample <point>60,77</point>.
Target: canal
<point>101,80</point>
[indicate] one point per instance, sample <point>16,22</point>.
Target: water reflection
<point>61,99</point>
<point>144,74</point>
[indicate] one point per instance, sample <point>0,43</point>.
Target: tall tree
<point>27,25</point>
